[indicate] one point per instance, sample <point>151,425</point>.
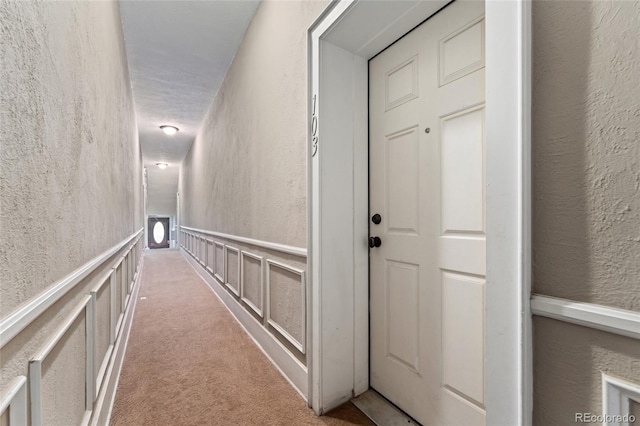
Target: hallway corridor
<point>188,362</point>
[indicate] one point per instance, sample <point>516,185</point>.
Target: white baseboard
<point>287,364</point>
<point>104,403</point>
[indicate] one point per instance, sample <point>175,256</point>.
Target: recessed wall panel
<point>209,263</point>
<point>402,313</point>
<point>218,267</point>
<point>251,289</point>
<point>103,314</point>
<point>401,181</point>
<point>462,163</point>
<point>286,310</point>
<point>63,378</point>
<point>232,269</point>
<point>463,335</point>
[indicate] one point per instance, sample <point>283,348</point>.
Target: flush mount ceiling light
<point>169,130</point>
<point>162,165</point>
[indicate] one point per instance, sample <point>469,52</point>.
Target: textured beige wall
<point>568,363</point>
<point>70,170</point>
<point>586,151</point>
<point>246,172</point>
<point>586,188</point>
<point>70,173</point>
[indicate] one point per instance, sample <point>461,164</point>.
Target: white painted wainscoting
<point>617,393</point>
<point>263,285</point>
<point>14,399</point>
<point>94,330</point>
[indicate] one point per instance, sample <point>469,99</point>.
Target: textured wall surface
<point>586,151</point>
<point>246,171</point>
<point>70,173</point>
<point>586,188</point>
<point>568,363</point>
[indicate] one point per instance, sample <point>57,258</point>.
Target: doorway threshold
<point>381,411</point>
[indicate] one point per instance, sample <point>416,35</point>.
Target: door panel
<point>401,176</point>
<point>426,179</point>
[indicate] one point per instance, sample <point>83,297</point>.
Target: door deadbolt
<point>376,218</point>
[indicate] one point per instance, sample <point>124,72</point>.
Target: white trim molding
<point>117,272</point>
<point>605,318</point>
<point>256,309</point>
<point>340,43</point>
<point>229,285</point>
<point>617,396</point>
<point>219,275</point>
<point>14,399</point>
<point>282,248</point>
<point>108,382</point>
<point>209,249</point>
<point>298,344</point>
<point>24,315</point>
<point>35,364</point>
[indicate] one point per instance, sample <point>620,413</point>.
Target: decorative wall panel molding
<point>218,261</point>
<point>35,364</point>
<point>251,262</point>
<point>617,397</point>
<point>247,259</point>
<point>209,258</point>
<point>232,269</point>
<point>115,286</point>
<point>291,368</point>
<point>14,399</point>
<point>24,315</point>
<point>287,333</point>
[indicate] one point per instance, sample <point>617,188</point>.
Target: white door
<point>426,174</point>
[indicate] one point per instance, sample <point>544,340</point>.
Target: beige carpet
<point>188,362</point>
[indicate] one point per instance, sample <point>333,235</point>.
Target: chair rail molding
<point>283,248</point>
<point>605,318</point>
<point>24,315</point>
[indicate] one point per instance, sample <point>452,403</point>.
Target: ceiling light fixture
<point>169,130</point>
<point>162,165</point>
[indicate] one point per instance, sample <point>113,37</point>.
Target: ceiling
<point>178,54</point>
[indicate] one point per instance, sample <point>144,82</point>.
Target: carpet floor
<point>188,362</point>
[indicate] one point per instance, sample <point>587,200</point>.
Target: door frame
<point>167,229</point>
<point>340,43</point>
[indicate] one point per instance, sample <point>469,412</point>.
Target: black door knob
<point>376,218</point>
<point>375,242</point>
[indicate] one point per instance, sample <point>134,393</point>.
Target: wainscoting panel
<point>75,365</point>
<point>209,256</point>
<point>14,401</point>
<point>284,285</point>
<point>263,284</point>
<point>218,267</point>
<point>232,269</point>
<point>252,281</point>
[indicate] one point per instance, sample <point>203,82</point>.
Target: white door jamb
<point>340,43</point>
